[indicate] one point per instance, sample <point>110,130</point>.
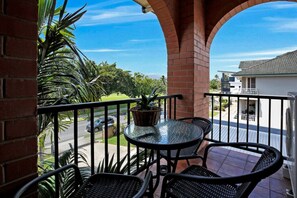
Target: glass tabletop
<point>167,134</point>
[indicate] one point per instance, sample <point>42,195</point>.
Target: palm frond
<point>123,165</point>
<point>67,178</point>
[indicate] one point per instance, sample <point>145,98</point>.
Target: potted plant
<point>146,113</point>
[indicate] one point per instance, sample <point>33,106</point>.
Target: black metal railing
<point>235,118</point>
<point>118,109</point>
<point>248,118</point>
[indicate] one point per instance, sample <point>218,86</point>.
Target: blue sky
<point>117,31</point>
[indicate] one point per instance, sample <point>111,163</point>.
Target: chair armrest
<point>206,130</point>
<point>191,118</point>
<point>239,145</point>
<point>47,175</point>
<point>146,183</point>
<point>187,118</point>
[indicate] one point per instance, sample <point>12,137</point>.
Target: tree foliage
<point>215,84</point>
<point>117,80</point>
<point>63,77</point>
<point>144,85</point>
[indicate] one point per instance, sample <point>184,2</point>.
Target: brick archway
<point>189,27</point>
<point>168,20</point>
<point>229,13</point>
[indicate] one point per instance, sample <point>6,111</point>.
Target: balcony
<point>188,61</point>
<point>253,91</point>
<point>96,146</point>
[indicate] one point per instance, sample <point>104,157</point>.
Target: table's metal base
<point>162,170</point>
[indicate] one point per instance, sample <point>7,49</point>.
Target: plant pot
<point>146,117</point>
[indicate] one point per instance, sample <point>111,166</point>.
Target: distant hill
<point>155,76</point>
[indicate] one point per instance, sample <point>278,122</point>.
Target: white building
<point>230,84</point>
<point>276,76</point>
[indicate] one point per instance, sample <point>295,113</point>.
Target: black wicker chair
<point>98,185</point>
<point>190,152</point>
<point>197,181</point>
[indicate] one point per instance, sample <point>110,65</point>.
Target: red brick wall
<point>201,62</point>
<point>18,94</point>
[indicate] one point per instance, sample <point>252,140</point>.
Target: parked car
<point>99,124</point>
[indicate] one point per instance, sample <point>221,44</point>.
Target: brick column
<point>18,94</point>
<point>188,57</point>
<point>201,62</point>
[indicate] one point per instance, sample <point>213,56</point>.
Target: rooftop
<point>283,65</point>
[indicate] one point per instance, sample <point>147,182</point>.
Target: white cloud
<point>120,14</point>
<point>277,6</point>
<point>232,60</point>
<point>102,50</point>
<point>263,54</point>
<point>218,59</point>
<point>283,5</point>
<point>282,24</point>
<point>237,60</point>
<point>142,40</point>
<point>101,5</point>
<point>232,66</point>
<point>106,3</point>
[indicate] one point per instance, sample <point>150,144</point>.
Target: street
<point>68,134</point>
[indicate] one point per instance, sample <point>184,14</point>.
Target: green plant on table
<point>147,102</point>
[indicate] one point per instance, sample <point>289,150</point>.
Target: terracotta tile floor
<point>229,163</point>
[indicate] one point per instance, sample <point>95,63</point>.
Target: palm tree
<point>63,77</point>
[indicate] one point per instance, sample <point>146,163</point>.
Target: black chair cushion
<point>187,188</point>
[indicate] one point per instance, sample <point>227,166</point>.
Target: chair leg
<point>149,161</point>
<point>151,187</point>
<point>162,192</point>
<point>176,160</point>
<point>188,162</point>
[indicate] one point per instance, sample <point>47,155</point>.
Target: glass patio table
<point>166,135</point>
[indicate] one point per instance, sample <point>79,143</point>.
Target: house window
<point>251,82</point>
<point>231,79</point>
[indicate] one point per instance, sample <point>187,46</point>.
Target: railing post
<point>118,132</point>
<point>92,141</point>
<point>56,144</point>
<point>75,136</point>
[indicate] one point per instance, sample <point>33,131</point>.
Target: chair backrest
<point>204,123</point>
<point>270,161</point>
<point>206,126</point>
<point>73,176</point>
